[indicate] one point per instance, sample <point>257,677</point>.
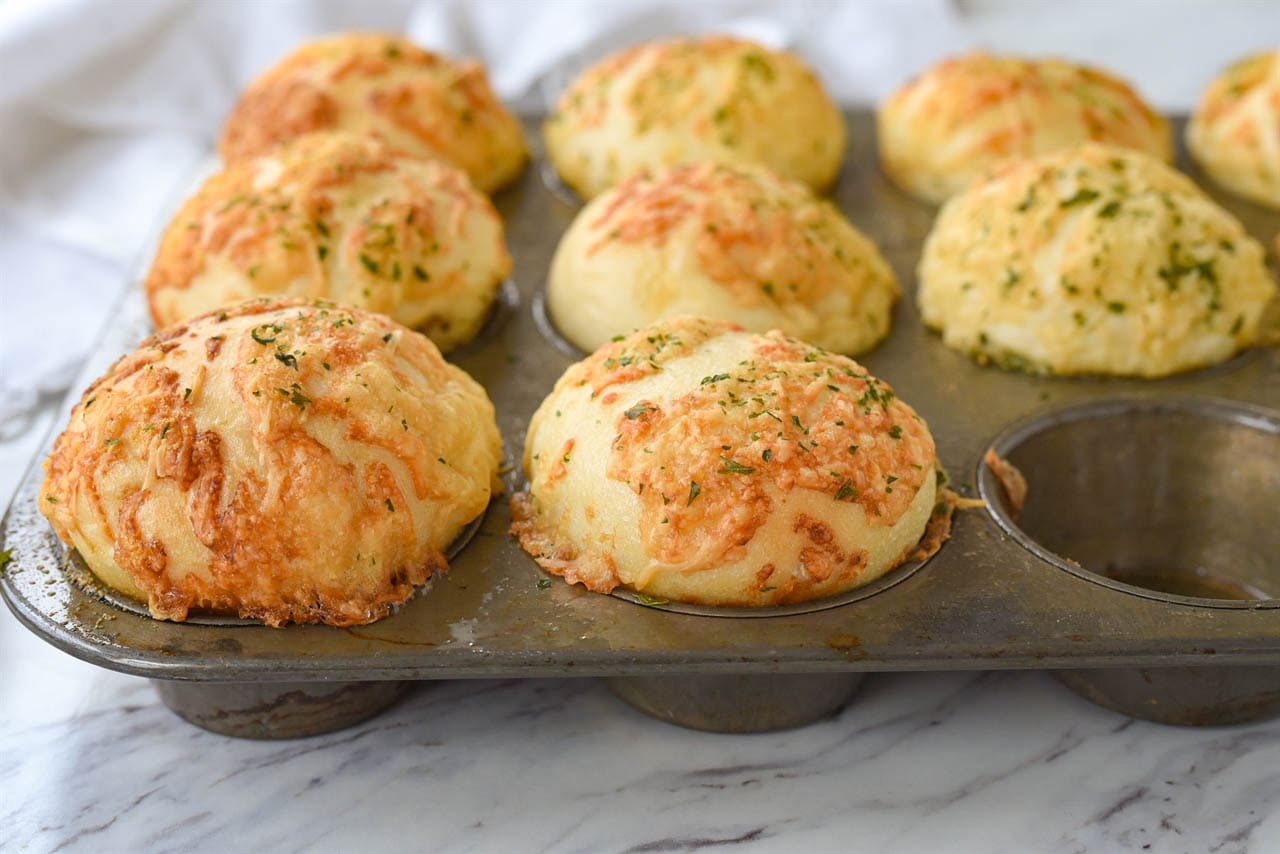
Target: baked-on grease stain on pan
<point>84,578</point>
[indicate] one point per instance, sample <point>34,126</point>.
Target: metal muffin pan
<point>997,595</point>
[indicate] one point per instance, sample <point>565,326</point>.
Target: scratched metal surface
<point>984,601</point>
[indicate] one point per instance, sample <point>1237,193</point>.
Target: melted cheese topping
<point>699,462</point>
<point>731,242</point>
<point>336,216</point>
<point>1234,133</point>
<point>951,124</point>
<point>280,460</point>
<point>374,84</point>
<point>680,101</point>
<point>1092,260</point>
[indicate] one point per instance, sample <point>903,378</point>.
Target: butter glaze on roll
<point>718,99</point>
<point>959,118</point>
<point>1234,133</point>
<point>698,462</point>
<point>340,217</point>
<point>733,243</point>
<point>1096,260</point>
<point>421,103</point>
<point>282,461</point>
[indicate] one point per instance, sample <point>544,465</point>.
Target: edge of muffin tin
<point>920,620</point>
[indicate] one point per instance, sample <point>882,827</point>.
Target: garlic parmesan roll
<point>667,103</point>
<point>1094,260</point>
<point>1234,133</point>
<point>729,242</point>
<point>962,116</point>
<point>698,462</point>
<point>382,85</point>
<point>341,217</point>
<point>285,461</point>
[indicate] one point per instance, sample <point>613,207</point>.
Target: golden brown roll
<point>697,462</point>
<point>684,100</point>
<point>421,103</point>
<point>729,242</point>
<point>341,217</point>
<point>1094,260</point>
<point>1234,133</point>
<point>286,461</point>
<point>962,116</point>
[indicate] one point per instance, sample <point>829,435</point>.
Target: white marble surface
<point>999,762</point>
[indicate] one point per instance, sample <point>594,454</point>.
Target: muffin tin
<point>1141,480</point>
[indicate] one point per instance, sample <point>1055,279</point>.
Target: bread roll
<point>718,99</point>
<point>962,116</point>
<point>1094,260</point>
<point>730,242</point>
<point>1234,133</point>
<point>341,217</point>
<point>421,103</point>
<point>698,462</point>
<point>285,461</point>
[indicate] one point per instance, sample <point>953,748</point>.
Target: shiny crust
<point>421,103</point>
<point>700,463</point>
<point>1234,133</point>
<point>679,101</point>
<point>285,461</point>
<point>1096,260</point>
<point>341,217</point>
<point>962,116</point>
<point>736,243</point>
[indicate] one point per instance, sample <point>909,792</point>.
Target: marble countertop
<point>90,760</point>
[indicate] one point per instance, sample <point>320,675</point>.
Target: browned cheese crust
<point>285,461</point>
<point>420,102</point>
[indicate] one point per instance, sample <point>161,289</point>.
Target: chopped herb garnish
<point>767,455</point>
<point>544,583</point>
<point>287,359</point>
<point>111,441</point>
<point>89,403</point>
<point>1116,307</point>
<point>732,466</point>
<point>386,339</point>
<point>636,411</point>
<point>165,430</point>
<point>713,379</point>
<point>1082,197</point>
<point>694,489</point>
<point>263,339</point>
<point>895,432</point>
<point>186,394</point>
<point>846,492</point>
<point>853,449</point>
<point>369,264</point>
<point>419,273</point>
<point>650,601</point>
<point>1109,210</point>
<point>6,558</point>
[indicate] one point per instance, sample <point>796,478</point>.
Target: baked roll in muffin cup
<point>1093,260</point>
<point>719,99</point>
<point>378,84</point>
<point>698,462</point>
<point>731,242</point>
<point>340,217</point>
<point>959,118</point>
<point>1234,133</point>
<point>280,460</point>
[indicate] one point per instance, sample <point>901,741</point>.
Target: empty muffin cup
<point>275,710</point>
<point>1171,500</point>
<point>739,703</point>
